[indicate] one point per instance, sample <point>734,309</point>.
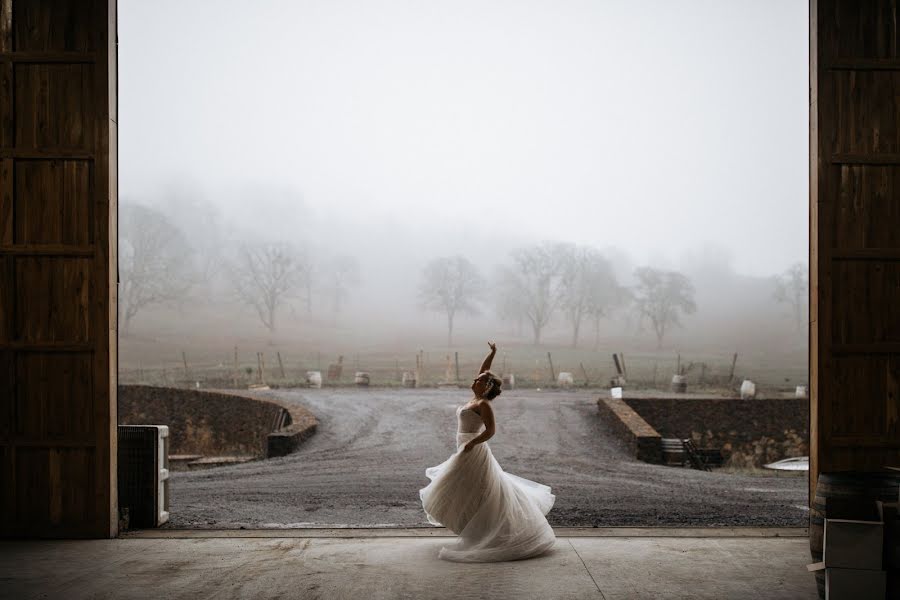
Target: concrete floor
<point>404,565</point>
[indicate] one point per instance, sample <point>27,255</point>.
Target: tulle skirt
<point>496,515</point>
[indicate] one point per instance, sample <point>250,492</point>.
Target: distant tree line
<point>547,279</point>
<point>159,265</point>
<point>578,282</point>
<point>536,285</point>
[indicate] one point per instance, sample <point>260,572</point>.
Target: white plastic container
<point>748,390</point>
<point>616,392</point>
<point>314,379</point>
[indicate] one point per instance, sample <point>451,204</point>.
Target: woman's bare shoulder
<point>482,407</point>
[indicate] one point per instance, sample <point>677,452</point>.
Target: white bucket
<point>565,380</point>
<point>362,379</point>
<point>679,384</point>
<point>801,392</point>
<point>748,390</point>
<point>616,392</point>
<point>314,379</point>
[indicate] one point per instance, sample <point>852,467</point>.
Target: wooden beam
<point>864,64</point>
<point>72,58</point>
<point>47,250</point>
<point>854,158</point>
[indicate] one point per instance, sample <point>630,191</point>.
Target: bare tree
<point>619,298</point>
<point>661,297</point>
<point>343,273</point>
<point>264,275</point>
<point>792,287</point>
<point>452,285</point>
<point>535,277</point>
<point>154,261</point>
<point>588,287</point>
<point>307,282</point>
<point>509,304</point>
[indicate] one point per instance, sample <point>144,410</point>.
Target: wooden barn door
<point>854,235</point>
<point>57,274</point>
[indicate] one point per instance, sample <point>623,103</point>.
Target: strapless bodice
<point>468,421</point>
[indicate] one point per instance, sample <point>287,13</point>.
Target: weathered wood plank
<point>871,348</point>
<point>6,28</point>
<point>48,57</point>
<point>53,203</point>
<point>7,290</point>
<point>47,250</point>
<point>53,106</point>
<point>862,64</point>
<point>52,299</point>
<point>853,30</point>
<point>865,300</point>
<point>7,394</point>
<point>867,109</point>
<point>55,26</point>
<point>46,154</point>
<point>7,124</point>
<point>45,347</point>
<point>868,208</point>
<point>54,398</point>
<point>6,202</point>
<point>883,158</point>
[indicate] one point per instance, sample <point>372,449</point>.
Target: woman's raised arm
<point>486,365</point>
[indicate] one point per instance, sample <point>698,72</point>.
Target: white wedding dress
<point>497,515</point>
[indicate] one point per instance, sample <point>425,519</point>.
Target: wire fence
<point>242,370</point>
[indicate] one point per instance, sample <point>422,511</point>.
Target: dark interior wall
<point>57,281</point>
<point>854,235</point>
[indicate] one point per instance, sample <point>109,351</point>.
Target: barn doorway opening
<point>323,227</point>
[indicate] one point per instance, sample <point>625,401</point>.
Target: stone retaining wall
<point>214,423</point>
<point>749,433</point>
<point>643,442</point>
<point>741,420</point>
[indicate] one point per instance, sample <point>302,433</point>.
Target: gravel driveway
<point>367,461</point>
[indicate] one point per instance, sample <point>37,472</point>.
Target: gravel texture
<point>367,461</point>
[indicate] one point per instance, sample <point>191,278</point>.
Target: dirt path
<point>367,461</point>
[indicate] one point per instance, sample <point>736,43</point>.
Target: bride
<point>497,515</point>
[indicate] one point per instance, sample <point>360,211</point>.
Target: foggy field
<point>211,363</point>
<point>431,177</point>
<point>367,461</point>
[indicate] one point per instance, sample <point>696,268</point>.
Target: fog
<point>665,134</point>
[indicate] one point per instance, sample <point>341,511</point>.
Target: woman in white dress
<point>496,515</point>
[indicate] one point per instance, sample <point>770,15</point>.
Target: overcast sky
<point>660,127</point>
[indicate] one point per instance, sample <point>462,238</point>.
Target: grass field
<point>212,364</point>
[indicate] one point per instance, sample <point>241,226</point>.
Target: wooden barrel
<point>673,451</point>
<point>845,487</point>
